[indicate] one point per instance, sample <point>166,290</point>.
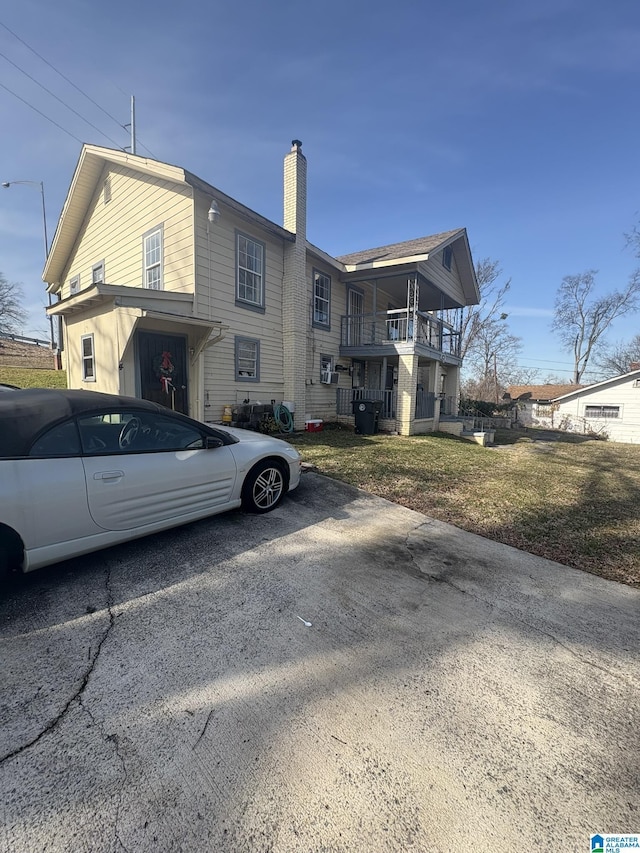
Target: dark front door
<point>163,370</point>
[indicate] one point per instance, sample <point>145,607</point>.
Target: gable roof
<point>407,249</point>
<point>416,252</point>
<point>540,392</point>
<point>83,185</point>
<point>633,374</point>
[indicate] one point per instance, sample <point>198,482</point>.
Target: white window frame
<point>97,273</point>
<point>326,364</point>
<point>74,284</point>
<point>321,299</point>
<point>156,267</point>
<point>447,256</point>
<point>245,260</point>
<point>88,359</point>
<point>243,371</point>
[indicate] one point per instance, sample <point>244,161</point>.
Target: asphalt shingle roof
<point>541,392</point>
<point>394,251</point>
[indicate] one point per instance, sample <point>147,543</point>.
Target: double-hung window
<point>152,250</point>
<point>321,300</point>
<point>88,358</point>
<point>247,360</point>
<point>250,272</point>
<point>74,284</point>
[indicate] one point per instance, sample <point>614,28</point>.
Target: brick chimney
<point>294,290</point>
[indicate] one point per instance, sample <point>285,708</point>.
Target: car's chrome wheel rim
<point>268,488</point>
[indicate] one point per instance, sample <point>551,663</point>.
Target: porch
<point>425,404</point>
<point>399,331</point>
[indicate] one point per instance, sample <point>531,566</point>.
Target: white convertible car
<point>81,470</point>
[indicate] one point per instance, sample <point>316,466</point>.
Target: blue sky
<point>518,121</point>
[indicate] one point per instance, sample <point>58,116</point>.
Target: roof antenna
<point>132,125</point>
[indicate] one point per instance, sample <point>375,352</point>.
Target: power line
<point>35,109</point>
<point>64,77</point>
<point>71,83</point>
<point>53,95</point>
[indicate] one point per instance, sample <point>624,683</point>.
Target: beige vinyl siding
<point>448,281</point>
<point>218,302</point>
<point>320,399</point>
<point>625,428</point>
<point>108,332</point>
<point>113,232</point>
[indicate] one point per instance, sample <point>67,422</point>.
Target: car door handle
<point>108,475</point>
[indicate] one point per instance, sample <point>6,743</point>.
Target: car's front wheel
<point>264,488</point>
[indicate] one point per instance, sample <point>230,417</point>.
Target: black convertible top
<point>25,413</point>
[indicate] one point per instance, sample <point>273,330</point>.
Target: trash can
<point>366,414</point>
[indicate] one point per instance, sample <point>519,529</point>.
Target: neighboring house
<point>172,291</point>
<point>533,404</point>
<point>610,408</point>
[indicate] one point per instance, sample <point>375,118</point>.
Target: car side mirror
<point>211,442</point>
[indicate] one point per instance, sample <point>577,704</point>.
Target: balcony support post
<point>407,390</point>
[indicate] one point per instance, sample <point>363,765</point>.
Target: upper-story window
<point>447,257</point>
<point>97,273</point>
<point>250,272</point>
<point>321,299</point>
<point>152,249</point>
<point>74,284</point>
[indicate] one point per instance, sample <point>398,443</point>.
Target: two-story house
<point>170,290</point>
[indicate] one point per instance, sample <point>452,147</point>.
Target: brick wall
<point>19,354</point>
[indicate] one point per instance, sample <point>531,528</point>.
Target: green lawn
<point>575,501</point>
<point>31,378</point>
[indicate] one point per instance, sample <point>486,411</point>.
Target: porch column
<point>407,390</point>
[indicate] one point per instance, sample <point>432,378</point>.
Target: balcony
<point>400,331</point>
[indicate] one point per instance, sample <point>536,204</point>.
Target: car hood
<point>247,435</point>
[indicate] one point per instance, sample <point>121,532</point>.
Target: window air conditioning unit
<point>328,377</point>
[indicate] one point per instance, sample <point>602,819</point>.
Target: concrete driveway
<point>450,694</point>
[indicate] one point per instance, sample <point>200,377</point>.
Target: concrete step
<point>482,438</point>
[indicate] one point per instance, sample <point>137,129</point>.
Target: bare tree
<point>493,357</point>
<point>581,318</point>
<point>12,314</point>
<point>488,349</point>
<point>615,359</point>
<point>492,296</point>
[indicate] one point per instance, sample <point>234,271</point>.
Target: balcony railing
<point>399,326</point>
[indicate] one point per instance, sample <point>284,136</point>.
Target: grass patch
<point>571,500</point>
<point>25,377</point>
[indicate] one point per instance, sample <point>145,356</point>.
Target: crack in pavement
<point>83,683</point>
<point>492,605</point>
<point>203,729</point>
<point>111,738</point>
